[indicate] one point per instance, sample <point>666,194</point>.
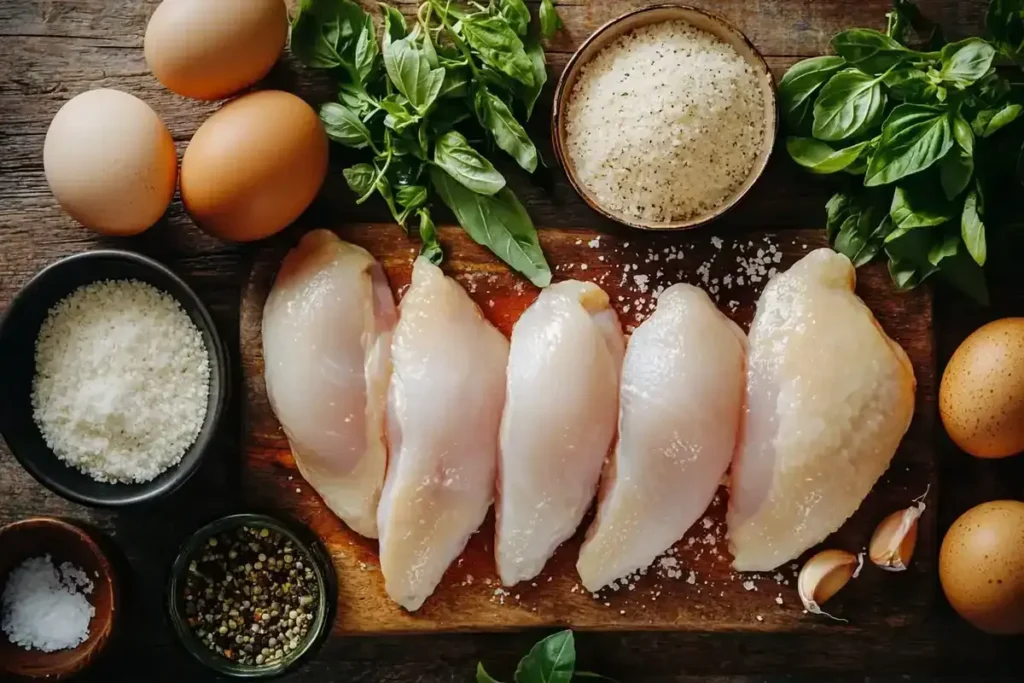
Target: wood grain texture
<point>51,50</point>
<point>694,588</point>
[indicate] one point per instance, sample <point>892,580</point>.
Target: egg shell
<point>211,49</point>
<point>110,162</point>
<point>981,397</point>
<point>254,166</point>
<point>981,566</point>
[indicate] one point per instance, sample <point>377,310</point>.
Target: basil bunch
<point>413,100</point>
<point>920,125</point>
<point>552,660</point>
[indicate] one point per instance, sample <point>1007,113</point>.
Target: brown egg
<point>210,49</point>
<point>981,566</point>
<point>110,162</point>
<point>981,398</point>
<point>254,166</point>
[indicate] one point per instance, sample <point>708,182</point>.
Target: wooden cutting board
<point>693,588</point>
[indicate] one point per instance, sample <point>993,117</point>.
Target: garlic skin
<point>892,544</point>
<point>824,575</point>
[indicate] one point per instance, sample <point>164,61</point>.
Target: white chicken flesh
<point>829,397</point>
<point>327,328</point>
<point>444,412</point>
<point>680,405</point>
<point>559,423</point>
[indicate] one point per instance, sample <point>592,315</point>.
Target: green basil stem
<point>455,38</point>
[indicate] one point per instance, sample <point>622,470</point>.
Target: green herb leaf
<point>398,115</point>
<point>509,135</point>
<point>963,134</point>
<point>383,187</point>
<point>1005,23</point>
<point>409,70</point>
<point>366,50</point>
<point>328,34</point>
<point>529,94</point>
<point>964,273</point>
<point>482,676</point>
<point>988,122</point>
<point>498,222</point>
<point>858,224</point>
<point>914,137</point>
<point>550,22</point>
<point>498,46</point>
<point>463,163</point>
<point>819,157</point>
<point>517,14</point>
<point>360,178</point>
<point>943,249</point>
<point>431,250</point>
<point>342,125</point>
<point>798,87</point>
<point>966,62</point>
<point>910,84</point>
<point>457,80</point>
<point>916,207</point>
<point>955,172</point>
<point>395,27</point>
<point>972,229</point>
<point>552,660</point>
<point>908,257</point>
<point>849,104</point>
<point>411,197</point>
<point>906,24</point>
<point>872,52</point>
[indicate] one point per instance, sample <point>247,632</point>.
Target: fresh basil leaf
<point>482,676</point>
<point>798,87</point>
<point>411,197</point>
<point>383,187</point>
<point>818,157</point>
<point>517,14</point>
<point>342,125</point>
<point>943,249</point>
<point>366,50</point>
<point>908,83</point>
<point>529,94</point>
<point>907,25</point>
<point>355,97</point>
<point>498,46</point>
<point>456,82</point>
<point>495,116</point>
<point>916,207</point>
<point>431,250</point>
<point>966,62</point>
<point>964,273</point>
<point>447,114</point>
<point>360,178</point>
<point>908,251</point>
<point>955,172</point>
<point>972,229</point>
<point>1005,23</point>
<point>550,22</point>
<point>850,104</point>
<point>858,246</point>
<point>988,122</point>
<point>398,118</point>
<point>463,163</point>
<point>552,660</point>
<point>872,52</point>
<point>410,72</point>
<point>963,134</point>
<point>914,137</point>
<point>395,27</point>
<point>328,34</point>
<point>837,210</point>
<point>498,222</point>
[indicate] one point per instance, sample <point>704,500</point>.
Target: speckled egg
<point>981,398</point>
<point>981,566</point>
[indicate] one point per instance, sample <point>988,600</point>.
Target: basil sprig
<point>552,660</point>
<point>923,132</point>
<point>417,101</point>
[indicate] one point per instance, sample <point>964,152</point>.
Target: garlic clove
<point>824,575</point>
<point>892,544</point>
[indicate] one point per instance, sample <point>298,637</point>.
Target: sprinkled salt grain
<point>665,123</point>
<point>749,586</point>
<point>122,381</point>
<point>45,607</point>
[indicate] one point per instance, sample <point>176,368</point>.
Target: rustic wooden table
<point>51,50</point>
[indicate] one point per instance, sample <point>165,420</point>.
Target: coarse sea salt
<point>45,607</point>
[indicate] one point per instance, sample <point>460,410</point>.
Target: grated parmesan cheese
<point>122,381</point>
<point>666,123</point>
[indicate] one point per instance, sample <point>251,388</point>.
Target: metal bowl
<point>629,22</point>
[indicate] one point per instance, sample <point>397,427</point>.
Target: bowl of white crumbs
<point>664,118</point>
<point>114,378</point>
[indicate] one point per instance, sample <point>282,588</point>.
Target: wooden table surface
<point>51,50</point>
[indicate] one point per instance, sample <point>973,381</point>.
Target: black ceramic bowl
<point>18,331</point>
<point>327,595</point>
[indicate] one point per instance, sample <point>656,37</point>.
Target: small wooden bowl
<point>63,542</point>
<point>629,22</point>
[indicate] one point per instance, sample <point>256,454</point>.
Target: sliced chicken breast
<point>327,328</point>
<point>444,412</point>
<point>561,407</point>
<point>679,412</point>
<point>829,397</point>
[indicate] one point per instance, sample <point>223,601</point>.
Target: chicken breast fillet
<point>829,397</point>
<point>679,412</point>
<point>327,328</point>
<point>444,412</point>
<point>561,405</point>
